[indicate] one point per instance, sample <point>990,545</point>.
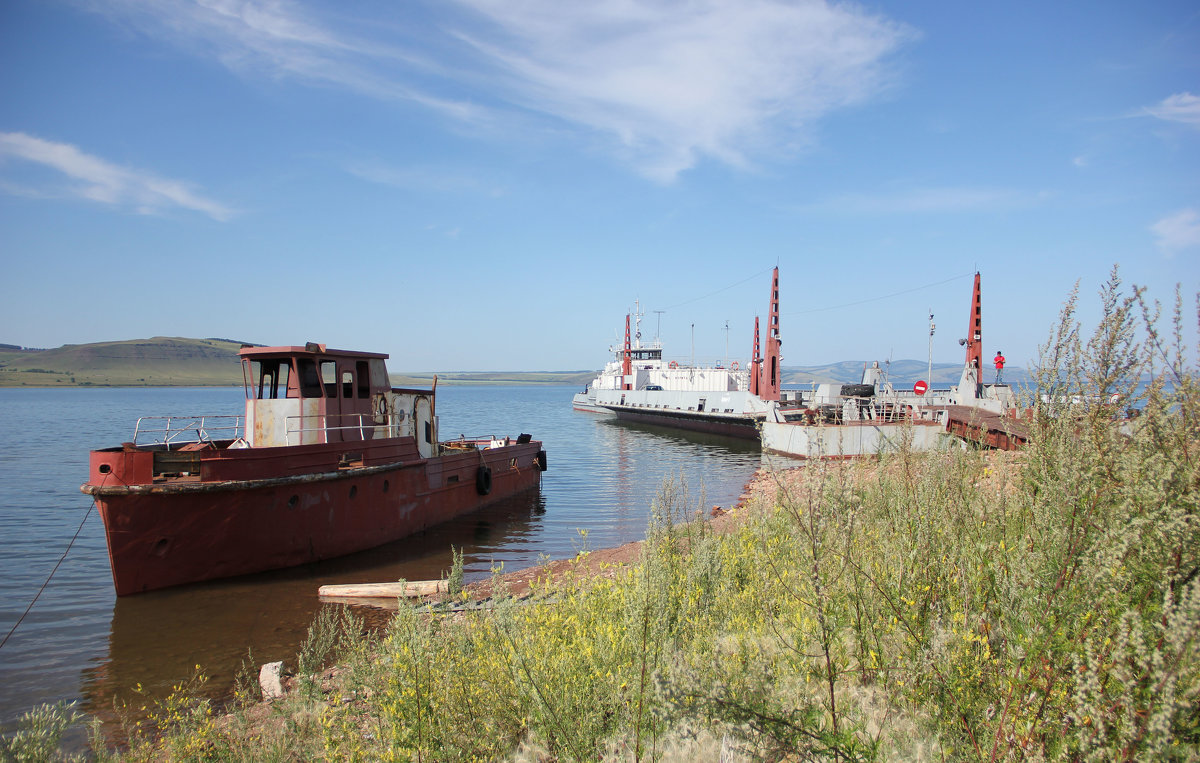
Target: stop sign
<point>920,387</point>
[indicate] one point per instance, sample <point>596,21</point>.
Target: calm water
<point>81,643</point>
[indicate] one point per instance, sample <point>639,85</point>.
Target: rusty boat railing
<point>175,429</point>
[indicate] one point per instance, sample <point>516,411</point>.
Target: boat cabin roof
<point>310,350</point>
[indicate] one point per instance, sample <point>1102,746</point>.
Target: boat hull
<point>742,427</point>
<point>586,403</point>
<point>163,534</point>
<point>850,439</point>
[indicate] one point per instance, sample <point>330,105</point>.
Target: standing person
<point>999,361</point>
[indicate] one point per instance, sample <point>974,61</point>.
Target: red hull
<point>168,532</point>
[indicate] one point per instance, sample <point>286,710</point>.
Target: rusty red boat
<point>328,459</point>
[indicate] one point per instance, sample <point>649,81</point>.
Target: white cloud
<point>1178,231</point>
<point>1181,107</point>
<point>923,200</point>
<point>677,81</point>
<point>92,178</point>
<point>662,82</point>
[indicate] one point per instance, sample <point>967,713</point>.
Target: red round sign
<point>920,387</point>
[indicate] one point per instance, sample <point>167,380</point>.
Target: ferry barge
<point>852,420</point>
<point>328,459</point>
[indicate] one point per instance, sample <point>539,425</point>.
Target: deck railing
<point>296,425</point>
<point>181,430</point>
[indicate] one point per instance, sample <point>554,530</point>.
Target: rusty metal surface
<point>974,340</point>
<point>991,429</point>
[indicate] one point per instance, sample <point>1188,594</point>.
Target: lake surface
<point>81,643</point>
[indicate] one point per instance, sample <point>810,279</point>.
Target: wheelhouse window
<point>364,379</point>
<point>272,379</point>
<point>310,380</point>
<point>329,377</point>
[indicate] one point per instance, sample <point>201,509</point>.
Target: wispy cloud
<point>1179,231</point>
<point>81,175</point>
<point>677,81</point>
<point>422,179</point>
<point>289,40</point>
<point>1181,107</point>
<point>924,200</point>
<point>662,82</point>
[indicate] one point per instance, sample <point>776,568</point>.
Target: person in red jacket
<point>999,361</point>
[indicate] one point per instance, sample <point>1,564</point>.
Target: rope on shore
<point>58,564</point>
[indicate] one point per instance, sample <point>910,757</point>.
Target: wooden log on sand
<point>409,589</point>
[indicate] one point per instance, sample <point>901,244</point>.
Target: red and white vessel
<point>639,386</point>
<point>328,459</point>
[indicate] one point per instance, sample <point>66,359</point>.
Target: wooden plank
<point>384,590</point>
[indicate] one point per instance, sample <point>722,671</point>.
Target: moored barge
<point>328,459</point>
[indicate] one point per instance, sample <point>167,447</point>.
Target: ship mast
<point>626,359</point>
<point>974,340</point>
<point>637,317</point>
<point>768,369</point>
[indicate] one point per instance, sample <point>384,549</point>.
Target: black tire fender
<point>541,460</point>
<point>483,480</point>
<point>858,390</point>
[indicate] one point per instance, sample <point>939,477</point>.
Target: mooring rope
<point>58,564</point>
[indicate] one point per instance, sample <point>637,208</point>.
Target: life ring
<point>734,366</point>
<point>483,480</point>
<point>541,460</point>
<point>672,364</point>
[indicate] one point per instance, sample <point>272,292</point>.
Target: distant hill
<point>902,373</point>
<point>176,361</point>
<point>158,361</point>
<point>179,362</point>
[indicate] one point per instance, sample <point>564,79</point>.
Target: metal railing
<point>481,442</point>
<point>181,430</point>
<point>362,427</point>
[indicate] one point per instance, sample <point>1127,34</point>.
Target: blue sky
<point>487,185</point>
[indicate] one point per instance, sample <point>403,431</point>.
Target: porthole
<point>104,468</point>
<point>293,501</point>
<point>353,490</point>
<point>385,486</point>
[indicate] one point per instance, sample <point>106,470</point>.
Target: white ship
<point>637,385</point>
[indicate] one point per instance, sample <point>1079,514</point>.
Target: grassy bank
<point>954,605</point>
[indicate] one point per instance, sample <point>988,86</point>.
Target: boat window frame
<point>329,378</point>
<point>310,379</point>
<point>363,376</point>
<point>265,378</point>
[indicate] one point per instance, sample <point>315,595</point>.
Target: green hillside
<point>158,361</point>
<point>179,362</point>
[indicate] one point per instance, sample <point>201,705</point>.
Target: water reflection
<point>159,638</point>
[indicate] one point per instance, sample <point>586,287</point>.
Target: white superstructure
<point>638,385</point>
